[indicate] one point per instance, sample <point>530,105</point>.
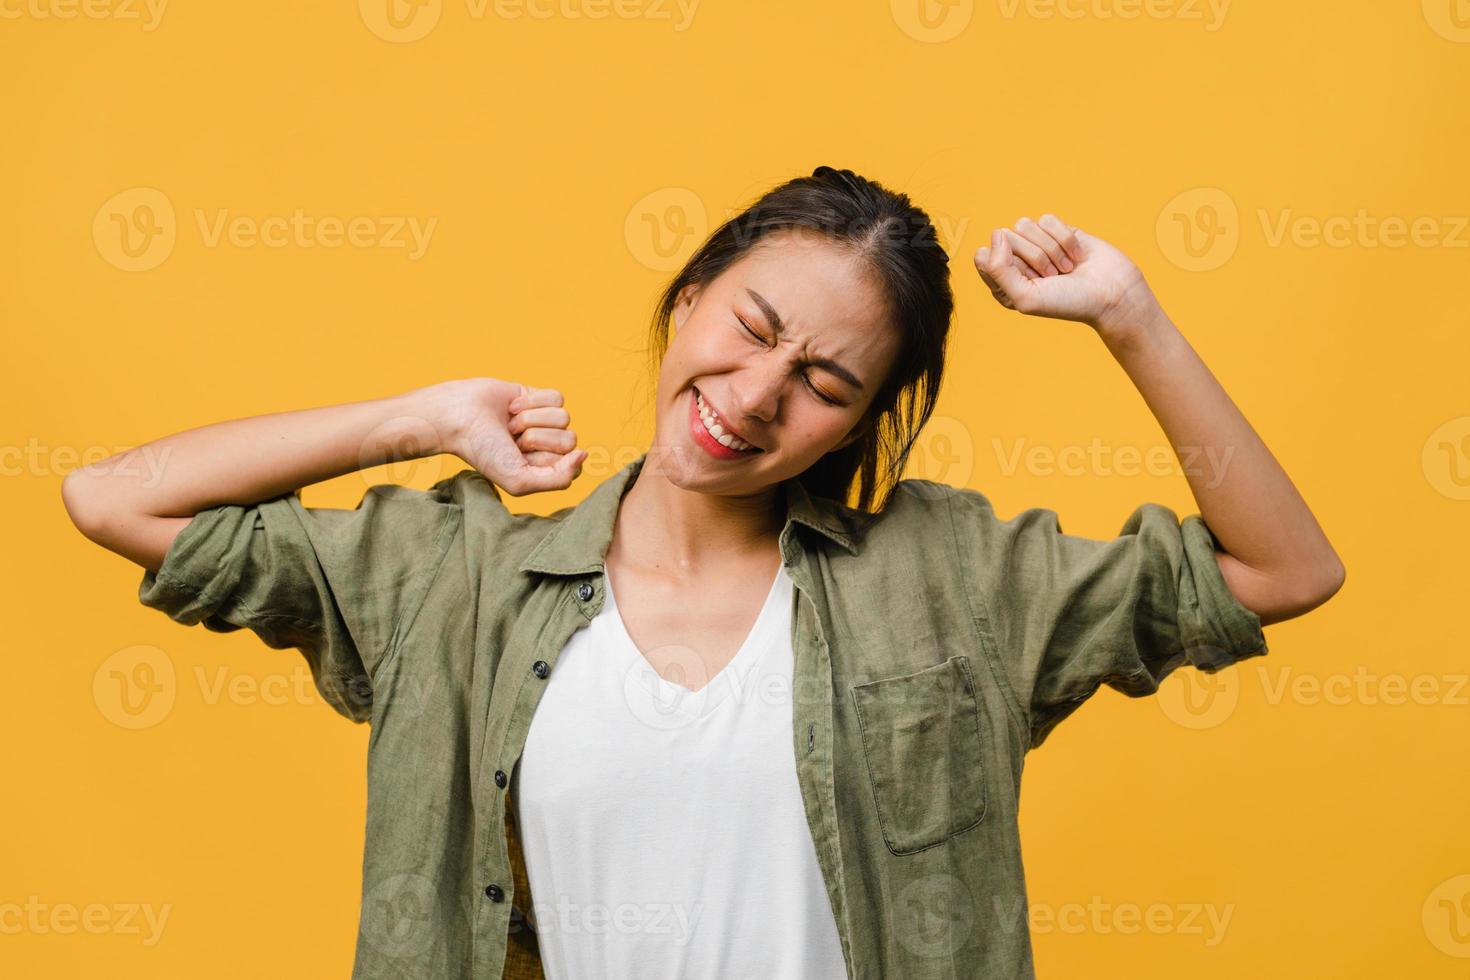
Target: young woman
<point>756,706</point>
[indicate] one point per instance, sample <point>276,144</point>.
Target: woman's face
<point>787,348</point>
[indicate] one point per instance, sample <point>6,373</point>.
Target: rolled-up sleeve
<point>1068,614</point>
<point>339,585</point>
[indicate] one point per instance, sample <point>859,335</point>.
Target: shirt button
<point>500,778</point>
<point>494,893</point>
<point>541,668</point>
<point>584,591</point>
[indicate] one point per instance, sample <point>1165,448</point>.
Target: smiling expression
<point>784,352</point>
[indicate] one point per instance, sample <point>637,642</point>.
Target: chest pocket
<point>922,744</point>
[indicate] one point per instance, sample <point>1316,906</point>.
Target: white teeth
<point>715,429</point>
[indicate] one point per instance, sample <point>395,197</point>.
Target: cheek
<point>818,424</point>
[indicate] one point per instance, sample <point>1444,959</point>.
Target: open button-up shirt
<point>935,644</point>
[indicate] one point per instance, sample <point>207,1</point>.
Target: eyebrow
<point>821,362</point>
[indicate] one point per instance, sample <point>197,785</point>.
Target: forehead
<point>816,286</point>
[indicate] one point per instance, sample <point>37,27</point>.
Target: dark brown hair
<point>912,269</point>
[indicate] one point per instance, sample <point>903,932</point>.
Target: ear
<point>688,298</point>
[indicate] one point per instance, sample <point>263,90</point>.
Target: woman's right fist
<point>513,434</point>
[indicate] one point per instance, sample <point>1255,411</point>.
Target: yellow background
<point>1329,826</point>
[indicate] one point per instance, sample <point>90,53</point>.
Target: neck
<point>686,533</point>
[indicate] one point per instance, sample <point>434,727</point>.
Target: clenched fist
<point>514,434</point>
<point>1052,269</point>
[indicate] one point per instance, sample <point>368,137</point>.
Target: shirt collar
<point>578,544</point>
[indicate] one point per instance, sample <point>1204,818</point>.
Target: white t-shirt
<point>663,829</point>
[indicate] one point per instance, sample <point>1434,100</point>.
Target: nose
<point>756,393</point>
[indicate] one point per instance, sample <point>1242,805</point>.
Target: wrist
<point>1125,339</point>
<point>428,421</point>
<point>1132,319</point>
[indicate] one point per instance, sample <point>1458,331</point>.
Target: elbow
<point>1288,595</point>
<point>73,498</point>
<point>1321,584</point>
<point>1337,575</point>
<point>80,495</point>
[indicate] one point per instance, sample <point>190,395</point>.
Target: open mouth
<point>714,433</point>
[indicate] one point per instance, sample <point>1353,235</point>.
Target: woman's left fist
<point>1049,268</point>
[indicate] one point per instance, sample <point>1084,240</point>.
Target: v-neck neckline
<point>716,690</point>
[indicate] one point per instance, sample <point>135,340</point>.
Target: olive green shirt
<point>933,648</point>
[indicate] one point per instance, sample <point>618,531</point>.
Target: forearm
<point>120,501</point>
<point>1282,560</point>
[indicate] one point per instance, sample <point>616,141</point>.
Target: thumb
<point>572,461</point>
<point>539,477</point>
<point>1003,270</point>
<point>561,473</point>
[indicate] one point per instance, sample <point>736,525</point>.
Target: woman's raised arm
<point>513,434</point>
<point>1276,559</point>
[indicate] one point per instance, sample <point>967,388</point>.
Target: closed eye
<point>804,379</point>
<point>749,330</point>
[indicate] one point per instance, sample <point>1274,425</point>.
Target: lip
<point>707,441</point>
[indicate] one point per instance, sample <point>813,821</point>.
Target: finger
<point>995,291</point>
<point>535,398</point>
<point>549,417</point>
<point>1065,234</point>
<point>1042,238</point>
<point>982,258</point>
<point>540,457</point>
<point>551,476</point>
<point>1012,282</point>
<point>550,440</point>
<point>1031,253</point>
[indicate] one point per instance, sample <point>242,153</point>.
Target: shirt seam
<point>981,624</point>
<point>445,539</point>
<point>251,612</point>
